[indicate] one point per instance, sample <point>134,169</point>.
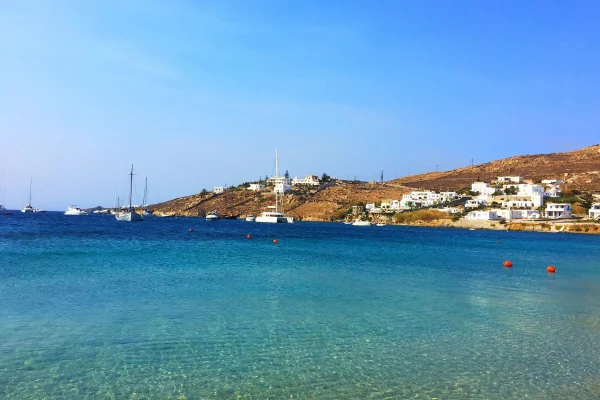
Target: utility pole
<point>471,163</point>
<point>381,176</point>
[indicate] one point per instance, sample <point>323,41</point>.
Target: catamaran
<point>28,208</point>
<point>272,215</point>
<point>130,215</point>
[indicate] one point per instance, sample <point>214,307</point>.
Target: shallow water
<point>95,308</point>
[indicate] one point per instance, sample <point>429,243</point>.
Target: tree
<point>203,192</point>
<point>511,190</point>
<point>287,174</point>
<point>586,201</point>
<point>325,177</point>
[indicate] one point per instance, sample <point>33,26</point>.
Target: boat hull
<point>128,217</point>
<point>272,220</point>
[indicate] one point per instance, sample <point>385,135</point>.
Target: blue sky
<point>198,94</point>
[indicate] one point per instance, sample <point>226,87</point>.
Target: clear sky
<point>197,94</point>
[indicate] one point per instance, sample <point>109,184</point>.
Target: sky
<point>199,94</point>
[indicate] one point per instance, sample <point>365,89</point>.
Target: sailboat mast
<point>145,192</point>
<point>130,186</point>
<point>277,178</point>
<point>30,183</point>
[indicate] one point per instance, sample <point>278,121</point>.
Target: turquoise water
<point>94,308</point>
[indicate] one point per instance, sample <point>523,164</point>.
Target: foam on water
<point>93,308</point>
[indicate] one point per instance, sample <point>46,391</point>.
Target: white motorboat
<point>212,216</point>
<point>129,215</point>
<point>28,208</point>
<point>39,210</point>
<point>74,210</point>
<point>380,224</point>
<point>250,218</point>
<point>275,216</point>
<point>361,223</point>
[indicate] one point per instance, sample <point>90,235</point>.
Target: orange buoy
<point>275,241</point>
<point>550,269</point>
<point>189,230</point>
<point>507,264</point>
<point>248,236</point>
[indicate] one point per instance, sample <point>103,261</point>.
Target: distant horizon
<point>197,94</point>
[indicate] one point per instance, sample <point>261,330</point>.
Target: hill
<point>324,204</point>
<point>579,169</point>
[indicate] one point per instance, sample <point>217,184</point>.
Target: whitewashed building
<point>553,191</point>
<point>474,203</point>
<point>595,211</point>
<point>483,188</point>
<point>370,206</point>
<point>256,187</point>
<point>558,210</point>
<point>482,215</point>
<point>512,179</point>
<point>517,214</point>
<point>282,188</point>
<point>552,182</point>
<point>218,189</point>
<point>517,203</point>
<point>446,197</point>
<point>312,180</point>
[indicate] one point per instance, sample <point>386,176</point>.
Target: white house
<point>553,191</point>
<point>512,179</point>
<point>312,180</point>
<point>483,188</point>
<point>282,187</point>
<point>275,180</point>
<point>370,206</point>
<point>517,214</point>
<point>256,187</point>
<point>552,182</point>
<point>595,211</point>
<point>390,205</point>
<point>558,210</point>
<point>218,189</point>
<point>517,203</point>
<point>482,215</point>
<point>445,197</point>
<point>449,210</point>
<point>474,203</point>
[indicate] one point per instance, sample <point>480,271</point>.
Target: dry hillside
<point>579,169</point>
<point>314,205</point>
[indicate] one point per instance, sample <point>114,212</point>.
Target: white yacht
<point>74,210</point>
<point>129,215</point>
<point>361,223</point>
<point>272,216</point>
<point>250,218</point>
<point>28,208</point>
<point>275,216</point>
<point>212,216</point>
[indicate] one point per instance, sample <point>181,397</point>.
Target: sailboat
<point>28,208</point>
<point>130,215</point>
<point>146,212</point>
<point>272,215</point>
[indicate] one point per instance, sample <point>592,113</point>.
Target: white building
<point>370,206</point>
<point>558,210</point>
<point>449,210</point>
<point>282,187</point>
<point>474,203</point>
<point>390,205</point>
<point>595,211</point>
<point>446,197</point>
<point>553,191</point>
<point>517,203</point>
<point>517,214</point>
<point>483,188</point>
<point>552,182</point>
<point>482,215</point>
<point>218,189</point>
<point>512,179</point>
<point>279,180</point>
<point>312,180</point>
<point>256,187</point>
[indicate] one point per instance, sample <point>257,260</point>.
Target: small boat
<point>129,215</point>
<point>212,216</point>
<point>471,229</point>
<point>381,224</point>
<point>347,223</point>
<point>39,210</point>
<point>74,210</point>
<point>361,223</point>
<point>3,210</point>
<point>103,211</point>
<point>250,218</point>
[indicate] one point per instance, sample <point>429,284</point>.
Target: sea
<point>182,308</point>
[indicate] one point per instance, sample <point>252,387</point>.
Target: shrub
<point>421,215</point>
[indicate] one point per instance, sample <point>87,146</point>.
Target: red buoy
<point>550,269</point>
<point>275,241</point>
<point>248,236</point>
<point>507,264</point>
<point>189,230</point>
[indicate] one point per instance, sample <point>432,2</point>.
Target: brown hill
<point>579,169</point>
<point>316,205</point>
